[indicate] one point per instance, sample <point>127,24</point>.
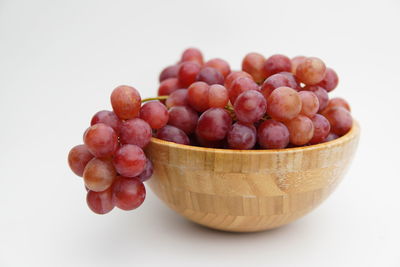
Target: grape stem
<point>162,97</point>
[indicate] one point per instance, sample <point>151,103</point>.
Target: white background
<point>59,61</point>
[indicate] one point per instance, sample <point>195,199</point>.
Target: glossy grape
<point>126,102</point>
<point>192,54</point>
<point>284,103</point>
<point>321,93</point>
<point>309,103</point>
<point>273,82</point>
<point>78,157</point>
<point>340,120</point>
<point>250,106</point>
<point>177,98</point>
<point>168,86</point>
<point>338,102</point>
<point>217,96</point>
<point>330,80</point>
<point>183,118</point>
<point>100,202</point>
<point>214,124</point>
<point>295,62</point>
<point>301,130</point>
<point>321,129</point>
<point>233,76</point>
<point>253,63</point>
<point>135,132</point>
<point>147,172</point>
<point>210,76</point>
<point>155,114</point>
<point>198,96</point>
<point>311,71</point>
<point>108,118</point>
<point>129,193</point>
<point>173,134</point>
<point>277,63</point>
<point>242,136</point>
<point>169,72</point>
<point>273,135</point>
<point>219,64</point>
<point>187,73</point>
<point>99,174</point>
<point>240,85</point>
<point>129,160</point>
<point>101,140</point>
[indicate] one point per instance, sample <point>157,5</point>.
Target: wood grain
<point>248,190</point>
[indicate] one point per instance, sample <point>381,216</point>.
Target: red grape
<point>99,174</point>
<point>148,171</point>
<point>187,73</point>
<point>210,76</point>
<point>321,93</point>
<point>240,85</point>
<point>293,82</point>
<point>192,54</point>
<point>135,132</point>
<point>108,118</point>
<point>198,96</point>
<point>169,72</point>
<point>330,80</point>
<point>340,120</point>
<point>273,135</point>
<point>284,103</point>
<point>321,129</point>
<point>311,71</point>
<point>253,63</point>
<point>101,140</point>
<point>213,124</point>
<point>78,157</point>
<point>277,63</point>
<point>309,103</point>
<point>100,202</point>
<point>219,64</point>
<point>129,193</point>
<point>242,136</point>
<point>273,82</point>
<point>331,136</point>
<point>129,160</point>
<point>177,98</point>
<point>233,76</point>
<point>173,134</point>
<point>155,114</point>
<point>183,118</point>
<point>250,106</point>
<point>338,102</point>
<point>168,86</point>
<point>301,130</point>
<point>217,96</point>
<point>296,61</point>
<point>126,102</point>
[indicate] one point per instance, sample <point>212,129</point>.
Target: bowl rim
<point>354,131</point>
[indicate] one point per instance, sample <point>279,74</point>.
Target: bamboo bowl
<point>248,190</point>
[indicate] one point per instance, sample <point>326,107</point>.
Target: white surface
<point>59,61</point>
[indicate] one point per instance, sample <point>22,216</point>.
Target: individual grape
<point>242,136</point>
<point>177,98</point>
<point>253,63</point>
<point>284,104</point>
<point>296,61</point>
<point>168,86</point>
<point>217,96</point>
<point>340,120</point>
<point>129,160</point>
<point>321,93</point>
<point>126,102</point>
<point>338,102</point>
<point>198,96</point>
<point>233,76</point>
<point>187,73</point>
<point>277,63</point>
<point>148,171</point>
<point>99,174</point>
<point>250,106</point>
<point>311,71</point>
<point>273,135</point>
<point>155,114</point>
<point>240,85</point>
<point>169,72</point>
<point>219,64</point>
<point>101,140</point>
<point>309,103</point>
<point>210,76</point>
<point>273,82</point>
<point>321,129</point>
<point>129,193</point>
<point>173,134</point>
<point>293,82</point>
<point>183,118</point>
<point>78,157</point>
<point>301,130</point>
<point>108,118</point>
<point>214,124</point>
<point>192,54</point>
<point>330,80</point>
<point>331,136</point>
<point>135,132</point>
<point>100,202</point>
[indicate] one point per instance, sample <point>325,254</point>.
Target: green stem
<point>162,97</point>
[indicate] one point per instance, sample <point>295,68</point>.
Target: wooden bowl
<point>248,190</point>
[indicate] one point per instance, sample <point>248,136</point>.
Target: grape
<point>273,135</point>
<point>330,80</point>
<point>311,71</point>
<point>210,144</point>
<point>78,157</point>
<point>135,132</point>
<point>250,106</point>
<point>331,136</point>
<point>219,64</point>
<point>321,129</point>
<point>169,72</point>
<point>295,62</point>
<point>129,193</point>
<point>173,134</point>
<point>213,124</point>
<point>108,118</point>
<point>187,73</point>
<point>129,160</point>
<point>321,93</point>
<point>242,136</point>
<point>253,63</point>
<point>168,86</point>
<point>309,103</point>
<point>293,82</point>
<point>101,140</point>
<point>183,118</point>
<point>126,102</point>
<point>148,171</point>
<point>301,130</point>
<point>277,63</point>
<point>177,98</point>
<point>99,174</point>
<point>217,96</point>
<point>233,76</point>
<point>340,120</point>
<point>338,102</point>
<point>284,104</point>
<point>100,202</point>
<point>240,85</point>
<point>273,82</point>
<point>155,114</point>
<point>192,54</point>
<point>210,76</point>
<point>198,96</point>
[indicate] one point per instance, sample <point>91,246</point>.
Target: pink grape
<point>177,98</point>
<point>277,63</point>
<point>284,103</point>
<point>155,114</point>
<point>337,102</point>
<point>311,71</point>
<point>108,118</point>
<point>173,134</point>
<point>169,85</point>
<point>296,61</point>
<point>309,103</point>
<point>99,174</point>
<point>301,130</point>
<point>198,96</point>
<point>250,106</point>
<point>183,118</point>
<point>273,82</point>
<point>331,136</point>
<point>330,80</point>
<point>242,136</point>
<point>78,158</point>
<point>135,132</point>
<point>240,85</point>
<point>340,120</point>
<point>101,140</point>
<point>169,72</point>
<point>321,129</point>
<point>253,63</point>
<point>213,124</point>
<point>126,102</point>
<point>321,93</point>
<point>129,160</point>
<point>210,76</point>
<point>147,172</point>
<point>219,64</point>
<point>273,135</point>
<point>293,81</point>
<point>187,73</point>
<point>217,96</point>
<point>192,54</point>
<point>233,76</point>
<point>100,202</point>
<point>129,193</point>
